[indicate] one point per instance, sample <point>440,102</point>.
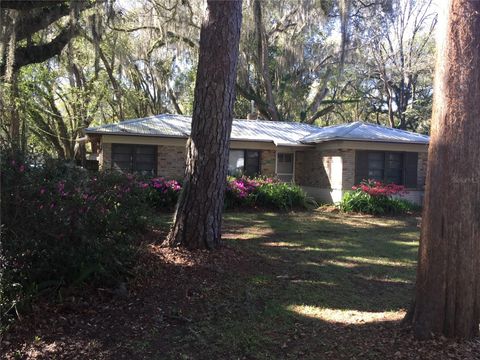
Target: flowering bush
<point>262,192</point>
<point>377,188</point>
<point>62,225</point>
<point>375,197</point>
<point>162,194</point>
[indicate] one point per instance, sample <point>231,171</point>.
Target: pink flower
<point>21,168</point>
<point>42,191</point>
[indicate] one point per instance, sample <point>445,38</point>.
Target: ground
<point>313,285</point>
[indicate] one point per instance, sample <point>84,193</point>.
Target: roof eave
<point>116,133</point>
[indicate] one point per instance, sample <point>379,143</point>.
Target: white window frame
<point>293,165</point>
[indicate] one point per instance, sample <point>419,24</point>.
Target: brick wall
<point>323,169</point>
<point>171,162</point>
<point>105,157</point>
<point>348,176</point>
<point>421,170</point>
<point>267,162</point>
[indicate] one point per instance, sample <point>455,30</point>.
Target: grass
<point>307,272</point>
<point>309,285</point>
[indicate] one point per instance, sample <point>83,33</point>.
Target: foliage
<point>62,225</point>
<point>263,193</point>
<point>374,197</point>
<point>162,194</point>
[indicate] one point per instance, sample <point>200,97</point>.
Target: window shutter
<point>411,161</point>
<point>361,166</point>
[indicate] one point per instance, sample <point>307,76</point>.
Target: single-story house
<point>325,161</point>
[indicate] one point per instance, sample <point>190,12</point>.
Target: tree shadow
<point>284,286</point>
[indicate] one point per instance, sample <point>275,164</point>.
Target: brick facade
<point>332,169</point>
<point>329,169</point>
<point>348,171</point>
<point>105,157</point>
<point>171,162</point>
<point>421,170</point>
<point>267,162</point>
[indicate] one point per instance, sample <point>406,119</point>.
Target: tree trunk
<point>198,218</point>
<point>262,60</point>
<point>448,275</point>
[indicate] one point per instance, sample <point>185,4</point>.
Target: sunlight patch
<point>406,243</point>
<point>281,244</point>
<point>345,264</point>
<point>346,317</point>
<point>380,261</point>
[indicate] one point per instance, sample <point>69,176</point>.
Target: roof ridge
<point>350,127</point>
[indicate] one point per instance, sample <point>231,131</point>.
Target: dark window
<point>244,162</point>
<point>252,162</point>
<point>135,158</point>
<point>389,167</point>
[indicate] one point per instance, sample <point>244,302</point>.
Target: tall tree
<point>198,218</point>
<point>448,275</point>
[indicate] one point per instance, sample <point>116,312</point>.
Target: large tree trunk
<point>198,218</point>
<point>448,276</point>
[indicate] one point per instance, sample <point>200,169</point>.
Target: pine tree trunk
<point>448,276</point>
<point>198,218</point>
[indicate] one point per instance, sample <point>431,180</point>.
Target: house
<point>325,161</point>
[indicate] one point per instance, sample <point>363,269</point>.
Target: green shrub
<point>282,196</point>
<point>268,193</point>
<point>376,198</point>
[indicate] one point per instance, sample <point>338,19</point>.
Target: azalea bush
<point>376,198</point>
<point>162,194</point>
<point>261,192</point>
<point>62,225</point>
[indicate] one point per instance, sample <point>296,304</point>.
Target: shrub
<point>263,193</point>
<point>374,197</point>
<point>162,194</point>
<point>283,196</point>
<point>62,225</point>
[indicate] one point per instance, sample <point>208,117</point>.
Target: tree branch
<point>38,20</point>
<point>29,4</point>
<point>34,54</point>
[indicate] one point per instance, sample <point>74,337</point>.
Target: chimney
<point>253,113</point>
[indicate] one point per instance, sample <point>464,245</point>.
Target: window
<point>389,167</point>
<point>134,158</point>
<point>285,166</point>
<point>244,162</point>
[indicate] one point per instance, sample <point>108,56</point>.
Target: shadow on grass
<point>304,285</point>
<point>359,264</point>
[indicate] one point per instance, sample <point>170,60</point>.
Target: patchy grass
<point>300,285</point>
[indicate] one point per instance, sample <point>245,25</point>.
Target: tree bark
<point>448,276</point>
<point>262,60</point>
<point>198,218</point>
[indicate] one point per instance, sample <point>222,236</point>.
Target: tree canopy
<point>66,64</point>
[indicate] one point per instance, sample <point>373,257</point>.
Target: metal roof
<point>360,131</point>
<point>278,132</point>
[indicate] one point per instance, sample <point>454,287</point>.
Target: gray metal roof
<point>360,131</point>
<point>280,133</point>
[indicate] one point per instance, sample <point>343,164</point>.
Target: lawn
<point>310,285</point>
